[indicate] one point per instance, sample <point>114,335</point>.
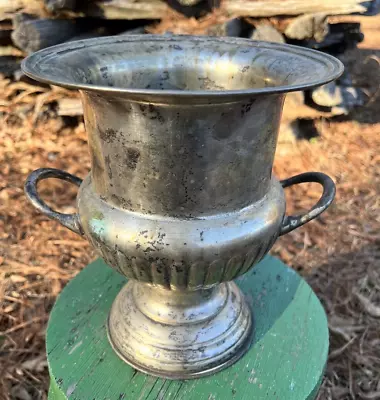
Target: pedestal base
<point>180,335</point>
<point>286,359</point>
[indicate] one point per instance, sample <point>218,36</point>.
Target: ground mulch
<point>339,253</point>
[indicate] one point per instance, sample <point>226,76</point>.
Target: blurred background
<point>334,129</point>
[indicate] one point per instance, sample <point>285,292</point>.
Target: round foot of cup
<point>180,335</point>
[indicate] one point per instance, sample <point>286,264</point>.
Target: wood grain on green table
<point>286,360</point>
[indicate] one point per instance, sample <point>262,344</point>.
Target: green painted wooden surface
<point>286,360</point>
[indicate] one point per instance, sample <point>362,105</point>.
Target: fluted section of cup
<point>181,254</point>
<point>189,276</point>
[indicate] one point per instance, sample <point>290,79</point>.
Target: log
<point>268,33</point>
<point>92,34</point>
<point>340,37</point>
<point>8,8</point>
<point>31,34</point>
<point>21,18</point>
<point>272,8</point>
<point>374,8</point>
<point>232,28</point>
<point>70,107</point>
<point>309,26</point>
<point>156,9</point>
<point>340,98</point>
<point>295,108</point>
<point>190,8</point>
<point>299,105</point>
<point>328,95</point>
<point>5,33</point>
<point>109,9</point>
<point>59,5</point>
<point>9,65</point>
<point>188,3</point>
<point>11,51</point>
<point>127,9</point>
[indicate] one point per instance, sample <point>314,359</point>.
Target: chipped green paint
<point>286,361</point>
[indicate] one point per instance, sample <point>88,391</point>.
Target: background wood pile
<point>30,25</point>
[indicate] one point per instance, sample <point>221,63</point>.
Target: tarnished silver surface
<point>180,334</point>
<point>181,197</point>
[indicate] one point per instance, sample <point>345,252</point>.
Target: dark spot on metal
<point>246,108</point>
<point>151,112</point>
<point>133,156</point>
<point>104,72</point>
<point>209,84</point>
<point>121,201</point>
<point>108,135</point>
<point>108,163</point>
<point>178,269</point>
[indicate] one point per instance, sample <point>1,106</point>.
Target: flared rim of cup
<point>46,65</point>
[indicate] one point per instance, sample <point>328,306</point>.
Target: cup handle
<point>293,222</point>
<point>70,221</point>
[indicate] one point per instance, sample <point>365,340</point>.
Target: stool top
<point>286,360</point>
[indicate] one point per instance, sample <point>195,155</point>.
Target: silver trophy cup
<point>181,198</point>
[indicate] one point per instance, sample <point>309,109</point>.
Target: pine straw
<point>37,257</point>
<point>340,252</point>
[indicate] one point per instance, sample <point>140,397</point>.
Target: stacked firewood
<point>30,25</point>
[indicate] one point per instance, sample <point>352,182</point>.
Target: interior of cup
<point>181,63</point>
